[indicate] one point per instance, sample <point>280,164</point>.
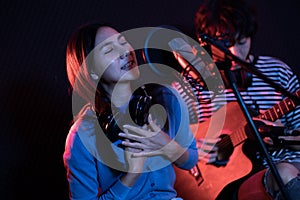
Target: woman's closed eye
<point>107,48</point>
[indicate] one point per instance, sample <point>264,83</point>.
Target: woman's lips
<point>129,65</point>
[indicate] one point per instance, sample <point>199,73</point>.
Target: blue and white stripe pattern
<point>259,95</point>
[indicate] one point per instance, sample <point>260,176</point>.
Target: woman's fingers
<point>129,144</point>
<point>153,125</point>
<point>147,154</point>
<point>130,136</point>
<point>134,141</point>
<point>139,131</point>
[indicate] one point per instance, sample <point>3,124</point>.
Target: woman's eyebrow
<point>120,36</point>
<point>103,45</point>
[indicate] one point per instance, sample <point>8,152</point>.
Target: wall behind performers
<point>36,106</point>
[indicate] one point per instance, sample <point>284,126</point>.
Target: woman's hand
<point>135,167</point>
<point>135,164</point>
<point>153,142</point>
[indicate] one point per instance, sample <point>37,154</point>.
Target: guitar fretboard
<point>279,109</point>
<point>271,114</point>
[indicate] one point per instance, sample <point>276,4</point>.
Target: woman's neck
<point>119,93</point>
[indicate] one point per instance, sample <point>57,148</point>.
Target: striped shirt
<point>259,96</point>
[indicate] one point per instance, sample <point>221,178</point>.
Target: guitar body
<point>213,179</point>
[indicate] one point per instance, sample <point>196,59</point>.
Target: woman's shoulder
<point>82,133</point>
<point>84,122</point>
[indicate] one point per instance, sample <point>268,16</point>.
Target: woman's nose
<point>124,54</point>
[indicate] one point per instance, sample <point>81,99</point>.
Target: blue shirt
<point>94,165</point>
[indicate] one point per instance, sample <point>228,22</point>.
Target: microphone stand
<point>249,67</point>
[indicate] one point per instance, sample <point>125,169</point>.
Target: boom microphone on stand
<point>183,55</point>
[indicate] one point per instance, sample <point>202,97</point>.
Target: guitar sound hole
<point>225,148</point>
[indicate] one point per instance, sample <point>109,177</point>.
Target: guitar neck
<point>271,114</point>
<point>238,136</point>
<point>279,109</point>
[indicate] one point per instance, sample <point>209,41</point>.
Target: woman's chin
<point>130,75</point>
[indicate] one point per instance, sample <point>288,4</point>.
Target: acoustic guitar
<point>206,181</point>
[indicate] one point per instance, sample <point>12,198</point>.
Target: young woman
<point>106,160</point>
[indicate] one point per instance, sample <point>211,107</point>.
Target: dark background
<point>35,103</point>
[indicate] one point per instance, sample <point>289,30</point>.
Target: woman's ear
<point>94,76</point>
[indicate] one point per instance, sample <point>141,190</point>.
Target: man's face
<point>239,47</point>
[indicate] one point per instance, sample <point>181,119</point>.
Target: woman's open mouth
<point>129,65</point>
